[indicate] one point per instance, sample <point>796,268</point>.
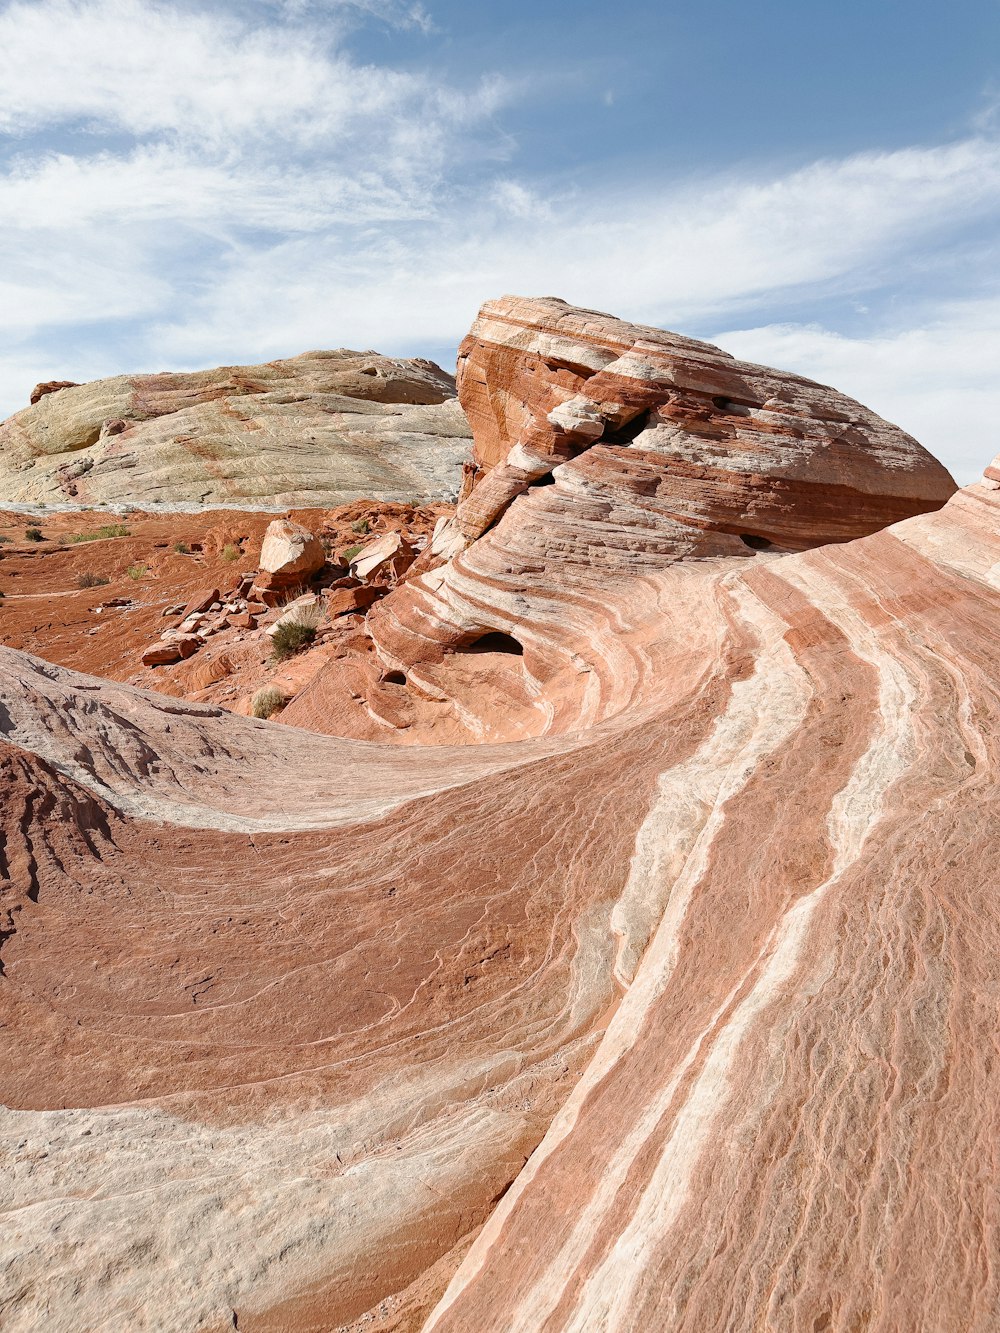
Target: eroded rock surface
<point>317,429</point>
<point>685,994</point>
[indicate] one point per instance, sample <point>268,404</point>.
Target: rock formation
<point>318,429</point>
<point>675,1010</point>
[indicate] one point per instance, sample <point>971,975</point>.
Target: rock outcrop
<point>289,556</point>
<point>674,1011</point>
<point>317,429</point>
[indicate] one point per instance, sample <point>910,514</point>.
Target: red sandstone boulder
<point>50,386</point>
<point>173,649</point>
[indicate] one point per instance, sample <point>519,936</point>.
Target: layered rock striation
<point>673,1010</point>
<point>317,429</point>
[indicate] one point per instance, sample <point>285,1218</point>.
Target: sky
<point>815,187</point>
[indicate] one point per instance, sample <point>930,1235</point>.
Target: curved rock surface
<point>317,429</point>
<point>685,995</point>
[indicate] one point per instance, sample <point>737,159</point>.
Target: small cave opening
<point>755,542</point>
<point>547,479</point>
<point>495,641</point>
<point>627,433</point>
<point>730,406</point>
<point>394,678</point>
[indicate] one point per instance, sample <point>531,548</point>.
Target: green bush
<point>136,572</point>
<point>267,701</point>
<point>182,548</point>
<point>295,634</point>
<point>108,530</point>
<point>33,535</point>
<point>348,555</point>
<point>362,526</point>
<point>231,552</point>
<point>290,638</point>
<point>92,581</point>
<point>3,538</point>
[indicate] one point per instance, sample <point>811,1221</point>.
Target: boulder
<point>289,556</point>
<point>172,649</point>
<point>341,601</point>
<point>386,557</point>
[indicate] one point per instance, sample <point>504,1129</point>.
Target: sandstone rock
<point>188,641</point>
<point>385,558</point>
<point>50,386</point>
<point>701,1038</point>
<point>318,429</point>
<point>341,601</point>
<point>172,647</point>
<point>291,551</point>
<point>710,440</point>
<point>200,603</point>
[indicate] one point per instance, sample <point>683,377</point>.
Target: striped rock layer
<point>316,429</point>
<point>677,1012</point>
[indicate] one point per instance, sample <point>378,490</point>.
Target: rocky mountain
<point>668,1003</point>
<point>317,429</point>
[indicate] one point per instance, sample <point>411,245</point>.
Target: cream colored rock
<point>388,556</point>
<point>290,550</point>
<point>317,429</point>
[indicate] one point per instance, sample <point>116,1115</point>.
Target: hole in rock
<point>494,642</point>
<point>754,542</point>
<point>547,480</point>
<point>627,433</point>
<point>733,408</point>
<point>394,678</point>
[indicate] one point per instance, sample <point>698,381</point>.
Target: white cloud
<point>938,379</point>
<point>140,68</point>
<point>659,254</point>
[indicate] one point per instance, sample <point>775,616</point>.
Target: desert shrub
<point>267,701</point>
<point>362,526</point>
<point>231,551</point>
<point>295,634</point>
<point>182,548</point>
<point>102,533</point>
<point>136,572</point>
<point>33,535</point>
<point>92,581</point>
<point>348,555</point>
<point>3,538</point>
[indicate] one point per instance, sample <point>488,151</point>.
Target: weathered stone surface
<point>386,558</point>
<point>686,991</point>
<point>341,601</point>
<point>50,386</point>
<point>174,646</point>
<point>290,551</point>
<point>321,428</point>
<point>680,427</point>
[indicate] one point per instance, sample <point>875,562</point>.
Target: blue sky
<point>816,187</point>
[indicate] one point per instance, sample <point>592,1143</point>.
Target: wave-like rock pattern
<point>689,1001</point>
<point>316,429</point>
